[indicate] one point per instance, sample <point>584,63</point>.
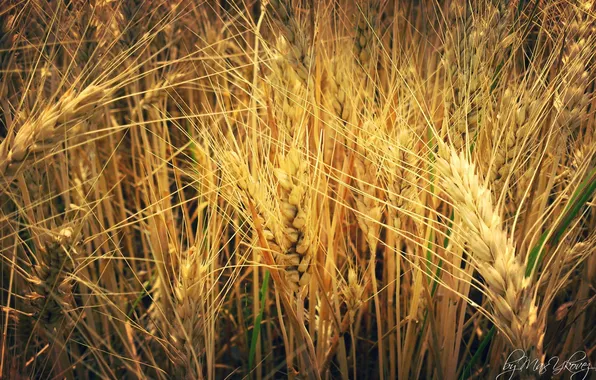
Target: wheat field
<point>302,189</point>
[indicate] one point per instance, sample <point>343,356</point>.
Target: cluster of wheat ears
<point>308,189</point>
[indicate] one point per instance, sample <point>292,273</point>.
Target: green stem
<point>257,327</point>
<point>552,236</point>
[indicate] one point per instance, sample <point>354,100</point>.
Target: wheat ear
<point>287,233</point>
<point>289,99</point>
<point>51,286</point>
<point>364,40</point>
<point>296,240</point>
<point>337,88</point>
<point>401,177</point>
<point>571,98</point>
<point>368,206</point>
<point>42,133</point>
<point>510,142</point>
<point>353,293</point>
<point>470,57</point>
<point>299,53</point>
<point>270,234</point>
<point>492,251</point>
<point>191,290</point>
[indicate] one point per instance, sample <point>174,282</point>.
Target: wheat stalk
<point>159,90</point>
<point>287,244</point>
<point>571,98</point>
<point>400,173</point>
<point>470,59</point>
<point>369,209</point>
<point>297,237</point>
<point>353,293</point>
<point>511,146</point>
<point>338,88</point>
<point>493,252</point>
<point>364,40</point>
<point>43,132</point>
<point>298,54</point>
<point>289,97</point>
<point>51,286</point>
<point>287,233</point>
<point>6,42</point>
<point>191,291</point>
